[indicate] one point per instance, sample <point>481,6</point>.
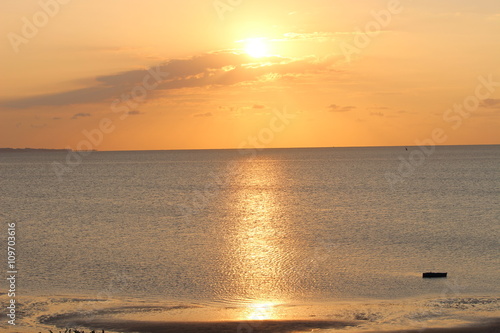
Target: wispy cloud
<point>203,115</point>
<point>338,108</point>
<point>38,125</point>
<point>316,36</point>
<point>80,115</point>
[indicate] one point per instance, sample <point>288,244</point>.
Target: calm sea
<point>283,226</point>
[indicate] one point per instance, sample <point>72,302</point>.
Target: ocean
<point>313,234</point>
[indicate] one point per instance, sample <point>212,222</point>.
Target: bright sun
<point>256,47</point>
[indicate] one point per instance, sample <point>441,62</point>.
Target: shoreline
<point>438,314</point>
<point>266,326</point>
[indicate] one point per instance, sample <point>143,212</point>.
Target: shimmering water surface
<point>237,229</point>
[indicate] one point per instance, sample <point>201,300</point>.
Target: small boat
<point>434,275</point>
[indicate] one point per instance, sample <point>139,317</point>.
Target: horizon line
<point>255,148</point>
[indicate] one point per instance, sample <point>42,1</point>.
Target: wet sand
<point>267,326</point>
<point>433,315</point>
<point>488,327</point>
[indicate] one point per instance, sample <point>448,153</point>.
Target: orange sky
<point>156,74</point>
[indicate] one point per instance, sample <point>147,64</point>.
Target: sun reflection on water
<point>260,311</point>
<point>257,248</point>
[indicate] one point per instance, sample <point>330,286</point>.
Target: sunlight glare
<point>256,47</point>
<point>261,311</point>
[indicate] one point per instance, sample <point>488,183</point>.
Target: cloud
<point>80,115</point>
<point>410,112</point>
<point>203,115</point>
<point>316,36</point>
<point>38,125</point>
<point>377,114</point>
<point>135,113</point>
<point>491,103</point>
<point>206,70</point>
<point>338,108</point>
<point>258,106</point>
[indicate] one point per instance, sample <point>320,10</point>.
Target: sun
<point>256,47</point>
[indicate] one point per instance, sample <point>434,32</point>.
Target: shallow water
<point>226,229</point>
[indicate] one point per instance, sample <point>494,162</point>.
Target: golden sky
<point>196,74</point>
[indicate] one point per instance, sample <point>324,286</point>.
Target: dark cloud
<point>338,108</point>
<point>491,103</point>
<point>202,115</point>
<point>135,113</point>
<point>80,115</point>
<point>377,114</point>
<point>213,69</point>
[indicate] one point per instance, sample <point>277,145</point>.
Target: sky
<point>209,74</point>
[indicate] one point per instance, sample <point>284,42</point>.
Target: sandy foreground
<point>430,315</point>
<point>268,326</point>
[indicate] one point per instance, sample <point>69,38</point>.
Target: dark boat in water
<point>434,275</point>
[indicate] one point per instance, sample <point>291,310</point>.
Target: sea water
<point>229,228</point>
